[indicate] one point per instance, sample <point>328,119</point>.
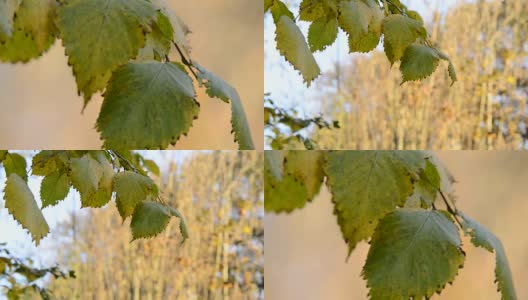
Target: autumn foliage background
<point>484,109</point>
<point>220,195</point>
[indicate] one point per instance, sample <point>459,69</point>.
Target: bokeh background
<point>305,253</point>
<point>219,193</point>
<point>485,110</point>
<point>40,108</point>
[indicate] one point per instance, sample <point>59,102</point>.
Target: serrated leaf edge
<point>330,188</point>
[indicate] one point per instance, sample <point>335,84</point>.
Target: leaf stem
<point>305,8</point>
<point>185,61</point>
<point>385,7</point>
<point>122,158</point>
<point>390,2</point>
<point>451,210</point>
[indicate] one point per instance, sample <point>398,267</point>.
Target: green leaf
<point>482,237</point>
<point>101,35</point>
<point>432,176</point>
<point>413,254</point>
<point>279,9</point>
<point>4,264</point>
<point>311,10</point>
<point>183,226</point>
<point>54,188</point>
<point>34,31</point>
<point>306,167</point>
<point>149,219</point>
<point>158,41</point>
<point>322,33</point>
<point>368,41</point>
<point>130,161</point>
<point>38,20</point>
<point>267,5</point>
<point>151,166</point>
<point>446,178</point>
<point>300,179</point>
<point>361,20</point>
<point>400,32</point>
<point>3,155</point>
<point>132,188</point>
<point>452,73</point>
<point>216,87</point>
<point>103,194</point>
<point>178,27</point>
<point>425,189</point>
<point>414,15</point>
<point>284,195</point>
<point>451,68</point>
<point>15,163</point>
<point>31,274</point>
<point>147,105</point>
<point>274,163</point>
<point>292,45</point>
<point>354,17</point>
<point>418,62</point>
<point>165,27</point>
<point>366,185</point>
<point>85,174</point>
<point>364,43</point>
<point>388,52</point>
<point>47,162</point>
<point>21,204</point>
<point>7,14</point>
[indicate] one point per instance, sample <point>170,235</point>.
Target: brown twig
<point>390,2</point>
<point>452,211</point>
<point>185,61</point>
<point>123,159</point>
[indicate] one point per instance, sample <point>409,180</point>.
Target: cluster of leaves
<point>122,47</point>
<point>364,21</point>
<point>19,277</point>
<point>224,210</point>
<point>428,116</point>
<point>96,175</point>
<point>277,120</point>
<point>388,198</point>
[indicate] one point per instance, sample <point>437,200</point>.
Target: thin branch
<point>185,61</point>
<point>113,158</point>
<point>313,3</point>
<point>449,208</point>
<point>390,2</point>
<point>123,159</point>
<point>452,211</point>
<point>160,200</point>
